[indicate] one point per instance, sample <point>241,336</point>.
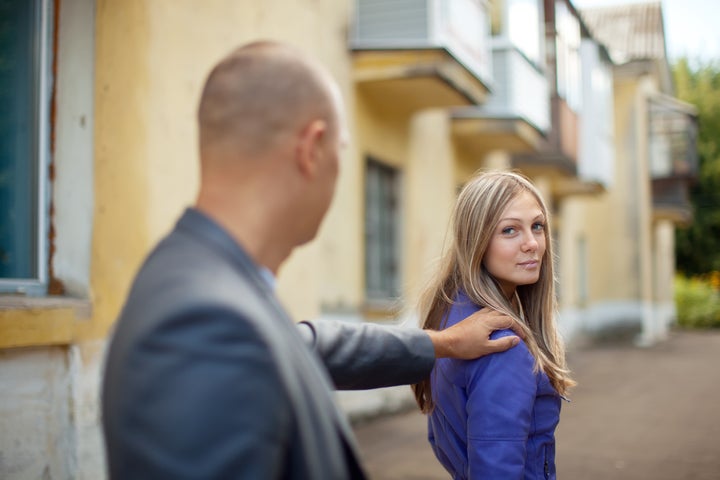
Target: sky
<point>691,26</point>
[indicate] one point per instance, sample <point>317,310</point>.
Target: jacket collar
<point>208,231</point>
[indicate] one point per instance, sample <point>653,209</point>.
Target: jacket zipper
<point>546,470</point>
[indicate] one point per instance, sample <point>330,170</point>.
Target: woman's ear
<point>309,151</point>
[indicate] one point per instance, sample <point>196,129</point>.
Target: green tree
<point>698,245</point>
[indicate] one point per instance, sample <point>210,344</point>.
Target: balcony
<point>558,151</point>
<point>517,114</point>
<point>596,151</point>
<point>422,53</point>
<point>557,158</point>
<point>579,153</point>
<point>673,156</point>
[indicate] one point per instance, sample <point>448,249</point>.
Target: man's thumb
<point>505,343</point>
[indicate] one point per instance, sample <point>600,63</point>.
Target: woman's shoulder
<point>513,357</point>
<point>514,362</point>
<point>461,308</point>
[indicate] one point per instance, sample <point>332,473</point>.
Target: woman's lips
<point>530,264</point>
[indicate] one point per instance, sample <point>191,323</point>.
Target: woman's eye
<point>508,230</point>
<point>538,227</point>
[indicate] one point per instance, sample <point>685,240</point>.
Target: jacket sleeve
<point>501,395</point>
<point>205,401</point>
<point>363,355</point>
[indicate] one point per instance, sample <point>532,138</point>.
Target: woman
<point>495,417</point>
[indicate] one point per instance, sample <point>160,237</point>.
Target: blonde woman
<point>495,417</point>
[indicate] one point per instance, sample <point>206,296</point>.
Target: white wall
<point>37,436</point>
<point>86,363</point>
<point>49,413</point>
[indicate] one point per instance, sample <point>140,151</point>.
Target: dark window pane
<point>18,160</point>
<point>381,231</point>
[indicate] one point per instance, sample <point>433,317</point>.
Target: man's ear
<point>309,151</point>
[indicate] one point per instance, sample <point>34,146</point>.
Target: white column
<point>643,206</point>
<point>664,251</point>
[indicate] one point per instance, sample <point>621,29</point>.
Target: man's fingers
<point>517,329</point>
<point>499,321</point>
<point>502,344</point>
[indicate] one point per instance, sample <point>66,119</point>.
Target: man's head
<point>271,122</point>
<point>260,94</point>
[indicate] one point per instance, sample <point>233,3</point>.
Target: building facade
<point>98,158</point>
<point>627,233</point>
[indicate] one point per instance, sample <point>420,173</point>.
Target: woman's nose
<point>530,244</point>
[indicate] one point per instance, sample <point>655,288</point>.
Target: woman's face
<point>517,246</point>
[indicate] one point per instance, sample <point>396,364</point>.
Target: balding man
<point>207,376</point>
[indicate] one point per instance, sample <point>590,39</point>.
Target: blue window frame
<point>25,95</point>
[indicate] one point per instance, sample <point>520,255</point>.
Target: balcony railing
<point>461,27</point>
<point>673,156</point>
<point>520,88</point>
<point>673,139</point>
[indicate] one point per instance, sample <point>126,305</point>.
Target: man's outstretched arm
<point>365,355</point>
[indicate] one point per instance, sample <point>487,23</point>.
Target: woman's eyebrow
<point>513,219</point>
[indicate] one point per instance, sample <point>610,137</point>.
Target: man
<point>207,376</point>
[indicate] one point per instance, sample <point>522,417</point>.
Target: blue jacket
<point>494,418</point>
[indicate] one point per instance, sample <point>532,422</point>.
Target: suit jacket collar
<point>197,224</point>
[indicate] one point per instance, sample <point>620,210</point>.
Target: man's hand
<point>470,338</point>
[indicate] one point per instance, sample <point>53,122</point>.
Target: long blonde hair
<point>477,212</point>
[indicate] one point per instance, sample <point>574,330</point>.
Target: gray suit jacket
<point>207,377</point>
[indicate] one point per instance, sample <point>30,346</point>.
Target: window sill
<point>40,321</point>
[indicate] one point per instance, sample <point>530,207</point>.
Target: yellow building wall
<point>153,58</point>
<point>430,195</point>
<point>419,146</point>
<point>339,248</point>
<point>610,223</point>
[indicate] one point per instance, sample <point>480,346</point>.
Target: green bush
<point>697,301</point>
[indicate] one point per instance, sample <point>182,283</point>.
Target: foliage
<point>698,245</point>
<point>698,301</point>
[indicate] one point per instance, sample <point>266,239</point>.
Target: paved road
<point>638,414</point>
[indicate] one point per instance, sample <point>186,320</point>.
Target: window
<point>24,143</point>
<point>381,231</point>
